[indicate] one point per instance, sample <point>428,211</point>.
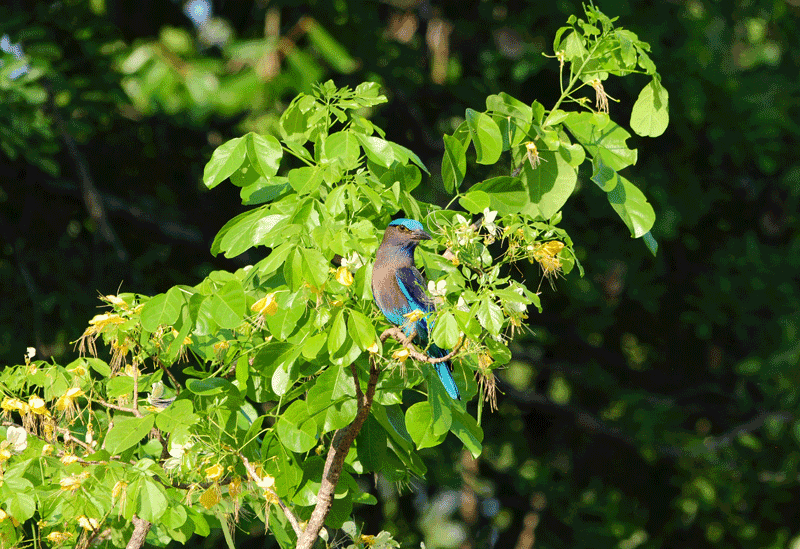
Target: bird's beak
<point>421,235</point>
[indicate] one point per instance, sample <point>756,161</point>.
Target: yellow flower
<point>47,449</point>
<point>118,489</point>
<point>414,315</point>
<point>14,405</point>
<point>400,354</point>
<point>484,361</point>
<point>67,400</point>
<point>58,537</point>
<point>344,277</point>
<point>67,459</point>
<point>214,472</point>
<point>37,406</point>
<point>100,321</point>
<point>3,515</point>
<point>5,455</point>
<point>533,154</point>
<point>266,305</point>
<point>374,348</point>
<point>72,483</point>
<point>88,523</point>
<point>266,482</point>
<point>369,541</point>
<point>546,255</point>
<point>210,497</point>
<point>220,346</point>
<point>116,301</point>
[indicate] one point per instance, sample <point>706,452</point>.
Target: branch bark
<point>340,446</point>
<point>140,529</point>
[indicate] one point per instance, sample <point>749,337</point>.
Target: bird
<point>399,290</point>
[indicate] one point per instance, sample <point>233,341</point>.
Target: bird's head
<point>406,231</point>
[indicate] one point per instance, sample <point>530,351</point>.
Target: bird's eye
<point>403,228</point>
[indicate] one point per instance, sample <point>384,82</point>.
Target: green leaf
<point>296,429</point>
<point>163,309</point>
<point>210,386</point>
<point>419,423</point>
<point>602,138</point>
<point>468,431</point>
<point>337,334</point>
<point>249,231</point>
<point>179,413</point>
<point>342,147</point>
<point>152,502</point>
<point>264,153</point>
<point>490,315</point>
<point>378,150</point>
<point>507,194</point>
<point>512,116</point>
<point>650,114</point>
<point>551,183</point>
<point>332,399</point>
<point>228,305</point>
<point>632,207</point>
<point>445,331</point>
<point>651,243</point>
<point>361,329</point>
<point>604,176</point>
<point>264,190</point>
<point>21,505</point>
<point>275,259</point>
<point>313,345</point>
<point>305,180</point>
<point>127,432</point>
<point>486,136</point>
<point>475,201</point>
<point>315,266</point>
<point>403,155</point>
<point>227,158</point>
<point>371,445</point>
<point>454,163</point>
<point>285,375</point>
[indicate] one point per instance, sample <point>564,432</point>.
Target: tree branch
<point>405,340</point>
<point>140,529</point>
<point>340,446</point>
<point>115,407</point>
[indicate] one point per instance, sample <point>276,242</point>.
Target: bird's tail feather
<point>444,371</point>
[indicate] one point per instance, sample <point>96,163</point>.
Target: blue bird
<point>398,288</point>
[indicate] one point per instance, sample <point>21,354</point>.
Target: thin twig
<point>171,377</point>
<point>286,510</point>
<point>102,402</point>
<point>398,335</point>
<point>340,446</point>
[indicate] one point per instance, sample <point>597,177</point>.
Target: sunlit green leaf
<point>486,137</point>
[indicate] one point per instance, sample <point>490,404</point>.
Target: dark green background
<point>653,403</point>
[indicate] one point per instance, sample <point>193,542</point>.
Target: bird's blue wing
<point>412,284</point>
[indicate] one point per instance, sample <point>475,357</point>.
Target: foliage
<point>298,338</point>
<point>650,404</point>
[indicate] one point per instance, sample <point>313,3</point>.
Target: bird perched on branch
<point>398,288</point>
